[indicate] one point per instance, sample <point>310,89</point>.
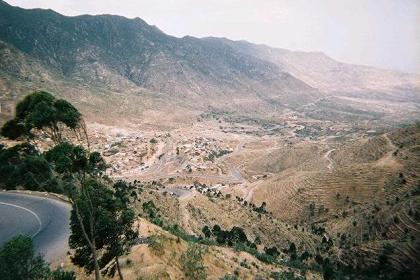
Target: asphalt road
<point>45,220</point>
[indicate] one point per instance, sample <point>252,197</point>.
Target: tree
<point>79,172</point>
<point>86,222</point>
<point>292,251</point>
<point>40,110</point>
<point>121,235</point>
<point>12,130</point>
<point>101,220</point>
<point>101,224</point>
<point>62,275</point>
<point>22,165</point>
<point>207,232</point>
<point>272,251</point>
<point>19,262</point>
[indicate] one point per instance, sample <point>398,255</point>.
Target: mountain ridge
<point>108,53</point>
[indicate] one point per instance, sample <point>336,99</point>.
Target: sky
<point>380,33</point>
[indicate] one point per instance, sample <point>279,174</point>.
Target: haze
<point>381,33</point>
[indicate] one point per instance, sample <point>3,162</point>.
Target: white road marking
<point>30,211</point>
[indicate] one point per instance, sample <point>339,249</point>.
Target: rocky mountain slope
<point>131,62</point>
<point>322,72</point>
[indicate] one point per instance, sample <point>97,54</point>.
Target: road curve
<point>46,220</point>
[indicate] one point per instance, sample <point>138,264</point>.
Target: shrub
<point>62,275</point>
<point>18,260</point>
<point>157,245</point>
<point>285,276</point>
<point>192,262</point>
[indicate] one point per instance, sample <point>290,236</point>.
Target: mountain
<point>322,72</point>
<point>123,59</point>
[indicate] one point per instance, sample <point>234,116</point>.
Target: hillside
<point>279,163</point>
<point>117,53</point>
<point>322,72</point>
<point>115,60</point>
<point>365,194</point>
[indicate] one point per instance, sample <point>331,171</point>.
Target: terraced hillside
<point>160,255</point>
<point>367,200</point>
<point>193,210</point>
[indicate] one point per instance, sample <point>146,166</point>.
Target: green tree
<point>79,174</point>
<point>62,275</point>
<point>19,262</point>
<point>22,165</point>
<point>12,130</point>
<point>90,213</point>
<point>207,232</point>
<point>41,110</point>
<point>101,220</point>
<point>121,235</point>
<point>101,224</point>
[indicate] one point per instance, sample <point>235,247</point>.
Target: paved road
<point>46,220</point>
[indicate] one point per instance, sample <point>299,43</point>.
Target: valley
<point>346,181</point>
<point>277,164</point>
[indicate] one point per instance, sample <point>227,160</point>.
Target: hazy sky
<point>382,33</point>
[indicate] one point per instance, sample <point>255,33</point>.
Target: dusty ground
<point>306,172</point>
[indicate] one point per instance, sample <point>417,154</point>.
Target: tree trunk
<point>118,268</point>
<point>95,262</point>
<point>91,243</point>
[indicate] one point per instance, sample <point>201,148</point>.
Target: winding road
<point>46,220</point>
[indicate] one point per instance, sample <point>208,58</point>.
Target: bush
<point>19,262</point>
<point>285,276</point>
<point>192,262</point>
<point>272,251</point>
<point>157,245</point>
<point>62,275</point>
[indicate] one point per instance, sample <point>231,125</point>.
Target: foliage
<point>157,245</point>
<point>234,236</point>
<point>261,209</point>
<point>19,262</point>
<point>272,251</point>
<point>41,110</point>
<point>177,231</point>
<point>284,275</point>
<point>70,159</point>
<point>262,256</point>
<point>121,235</point>
<point>101,220</point>
<point>62,275</point>
<point>12,130</point>
<point>22,165</point>
<point>237,239</point>
<point>152,213</point>
<point>192,262</point>
<point>102,214</point>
